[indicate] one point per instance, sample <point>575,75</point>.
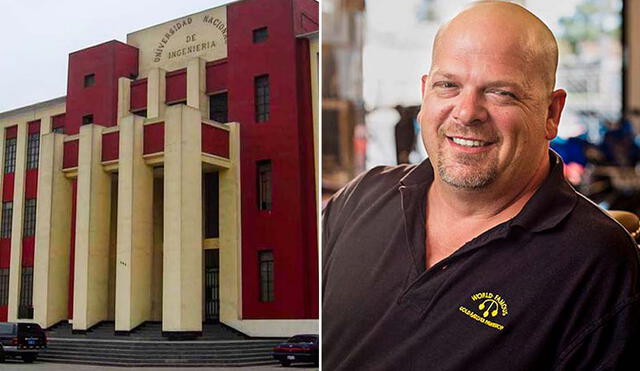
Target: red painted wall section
<point>11,132</point>
<point>215,141</point>
<point>108,61</point>
<point>70,154</point>
<point>72,244</point>
<point>216,76</point>
<point>110,148</point>
<point>176,85</point>
<point>28,248</point>
<point>57,121</point>
<point>5,252</point>
<point>33,126</point>
<point>138,95</point>
<point>7,186</point>
<point>281,229</point>
<point>153,138</point>
<point>305,16</point>
<point>31,183</point>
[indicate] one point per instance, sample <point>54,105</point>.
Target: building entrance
<point>211,286</point>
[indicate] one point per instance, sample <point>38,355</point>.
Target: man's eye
<point>444,84</point>
<point>504,93</point>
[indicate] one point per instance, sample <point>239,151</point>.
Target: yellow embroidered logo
<point>489,305</point>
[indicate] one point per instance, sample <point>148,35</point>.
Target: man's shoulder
<point>372,183</point>
<point>599,234</point>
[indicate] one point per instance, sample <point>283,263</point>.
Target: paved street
<point>11,364</point>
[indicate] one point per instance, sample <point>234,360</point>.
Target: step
<point>157,364</point>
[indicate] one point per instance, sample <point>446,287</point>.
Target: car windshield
<point>303,339</point>
<point>6,328</point>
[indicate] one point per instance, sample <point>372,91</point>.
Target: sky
<point>38,36</point>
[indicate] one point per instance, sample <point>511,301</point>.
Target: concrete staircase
<point>146,347</point>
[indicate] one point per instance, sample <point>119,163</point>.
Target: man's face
<point>484,113</point>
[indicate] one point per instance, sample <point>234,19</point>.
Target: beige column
<point>182,284</point>
<point>45,126</point>
<point>196,86</point>
<point>230,242</point>
<point>91,272</point>
<point>15,269</point>
<point>156,93</point>
<point>124,98</point>
<point>135,229</point>
<point>53,229</point>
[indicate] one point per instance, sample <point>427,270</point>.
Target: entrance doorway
<point>211,286</point>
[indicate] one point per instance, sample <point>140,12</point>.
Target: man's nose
<point>469,108</point>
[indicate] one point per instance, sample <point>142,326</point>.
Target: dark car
<point>21,339</point>
<point>300,348</point>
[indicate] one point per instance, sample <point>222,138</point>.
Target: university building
<point>175,182</point>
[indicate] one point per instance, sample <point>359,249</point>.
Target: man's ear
<point>556,105</point>
<point>424,81</point>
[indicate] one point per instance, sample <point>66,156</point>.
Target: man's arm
<point>610,343</point>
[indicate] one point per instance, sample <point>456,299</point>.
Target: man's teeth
<point>468,143</point>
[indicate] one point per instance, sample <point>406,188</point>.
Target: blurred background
<point>374,53</point>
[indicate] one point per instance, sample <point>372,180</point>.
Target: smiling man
<point>482,257</point>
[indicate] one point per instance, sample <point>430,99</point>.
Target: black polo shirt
<point>556,287</point>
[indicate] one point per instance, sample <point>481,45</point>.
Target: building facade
<point>175,182</point>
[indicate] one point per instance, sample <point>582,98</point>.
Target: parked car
<point>22,340</point>
<point>299,348</point>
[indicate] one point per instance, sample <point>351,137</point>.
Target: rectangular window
<point>33,150</point>
<point>264,185</point>
<point>29,217</point>
<point>260,35</point>
<point>25,309</point>
<point>7,216</point>
<point>218,107</point>
<point>211,198</point>
<point>10,156</point>
<point>4,286</point>
<point>266,275</point>
<point>87,119</point>
<point>262,98</point>
<point>89,80</point>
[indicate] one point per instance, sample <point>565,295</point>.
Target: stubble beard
<point>467,171</point>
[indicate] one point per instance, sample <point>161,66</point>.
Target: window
<point>87,119</point>
<point>4,286</point>
<point>89,80</point>
<point>7,216</point>
<point>264,185</point>
<point>10,156</point>
<point>25,309</point>
<point>58,130</point>
<point>262,98</point>
<point>29,217</point>
<point>218,107</point>
<point>33,149</point>
<point>260,35</point>
<point>266,275</point>
<point>211,198</point>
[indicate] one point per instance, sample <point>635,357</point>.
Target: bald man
<point>482,257</point>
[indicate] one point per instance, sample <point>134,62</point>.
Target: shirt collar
<point>550,204</point>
